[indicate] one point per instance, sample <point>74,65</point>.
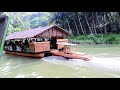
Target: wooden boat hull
<point>26,54</point>
<point>71,55</point>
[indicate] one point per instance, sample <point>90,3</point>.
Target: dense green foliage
<point>85,23</point>
<point>77,23</point>
<point>98,27</point>
<point>27,20</point>
<point>110,38</point>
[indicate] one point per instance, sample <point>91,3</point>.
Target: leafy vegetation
<point>85,23</point>
<point>111,38</point>
<point>97,27</point>
<point>27,20</point>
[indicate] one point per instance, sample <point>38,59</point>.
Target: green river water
<point>106,64</point>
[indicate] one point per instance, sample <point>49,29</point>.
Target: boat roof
<point>32,32</point>
<point>67,44</point>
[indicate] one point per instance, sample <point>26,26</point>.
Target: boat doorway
<point>53,43</point>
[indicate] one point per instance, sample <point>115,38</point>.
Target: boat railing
<point>35,47</point>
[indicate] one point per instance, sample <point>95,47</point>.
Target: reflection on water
<point>105,64</point>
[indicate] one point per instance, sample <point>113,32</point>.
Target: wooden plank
<point>39,46</point>
<point>61,40</point>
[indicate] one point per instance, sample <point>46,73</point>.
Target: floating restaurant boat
<point>47,41</point>
<point>40,48</point>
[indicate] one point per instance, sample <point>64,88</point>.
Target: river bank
<point>111,38</point>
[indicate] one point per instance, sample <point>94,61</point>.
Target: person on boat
<point>37,40</point>
<point>43,39</point>
<point>33,40</point>
<point>5,46</point>
<point>66,49</point>
<point>30,40</point>
<point>16,43</point>
<point>53,42</point>
<point>13,46</point>
<point>22,46</point>
<point>18,46</point>
<point>26,45</point>
<point>49,39</point>
<point>10,46</point>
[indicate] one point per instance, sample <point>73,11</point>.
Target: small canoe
<point>72,55</point>
<point>37,55</point>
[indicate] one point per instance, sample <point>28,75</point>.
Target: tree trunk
<point>105,29</point>
<point>84,30</point>
<point>119,19</point>
<point>98,22</point>
<point>92,28</point>
<point>76,27</point>
<point>70,30</point>
<point>81,25</point>
<point>111,16</point>
<point>113,26</point>
<point>88,23</point>
<point>110,19</point>
<point>94,25</point>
